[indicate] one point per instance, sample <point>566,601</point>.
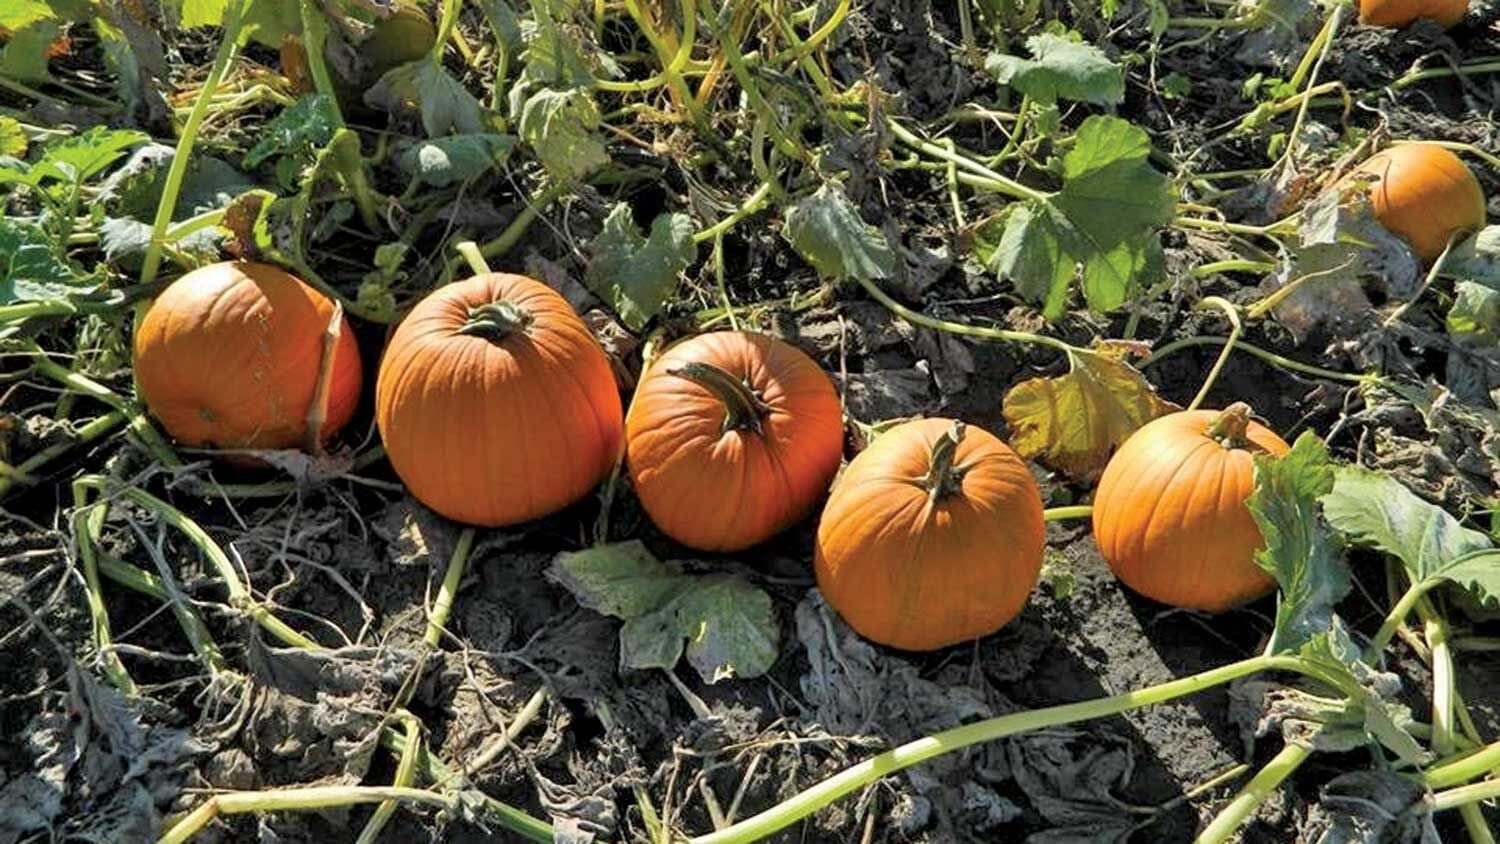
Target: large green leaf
<point>1060,68</point>
<point>298,131</point>
<point>447,107</point>
<point>24,56</point>
<point>456,158</point>
<point>1378,511</point>
<point>1104,220</point>
<point>1300,552</point>
<point>728,624</point>
<point>637,273</point>
<point>29,268</point>
<point>82,157</point>
<point>827,231</point>
<point>1478,258</point>
<point>559,127</point>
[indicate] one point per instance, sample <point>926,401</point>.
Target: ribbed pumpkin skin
<point>913,574</point>
<point>497,433</point>
<point>718,490</point>
<point>1424,193</point>
<point>228,356</point>
<point>1398,13</point>
<point>1170,514</point>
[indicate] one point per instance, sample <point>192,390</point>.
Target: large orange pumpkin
<point>732,438</point>
<point>932,536</point>
<point>495,402</point>
<point>1397,13</point>
<point>1170,514</point>
<point>1423,193</point>
<point>230,354</point>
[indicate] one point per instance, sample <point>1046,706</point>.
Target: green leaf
<point>1376,510</point>
<point>1300,552</point>
<point>1060,68</point>
<point>196,13</point>
<point>1372,709</point>
<point>559,127</point>
<point>828,233</point>
<point>636,273</point>
<point>134,189</point>
<point>1104,219</point>
<point>24,56</point>
<point>19,14</point>
<point>1474,317</point>
<point>269,22</point>
<point>447,107</point>
<point>12,138</point>
<point>728,624</point>
<point>1478,258</point>
<point>457,158</point>
<point>504,22</point>
<point>81,157</point>
<point>298,131</point>
<point>29,269</point>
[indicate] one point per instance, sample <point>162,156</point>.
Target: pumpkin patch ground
<point>433,421</point>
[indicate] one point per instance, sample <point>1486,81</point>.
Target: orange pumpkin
<point>496,404</point>
<point>732,438</point>
<point>1170,514</point>
<point>230,355</point>
<point>1398,13</point>
<point>1423,193</point>
<point>931,537</point>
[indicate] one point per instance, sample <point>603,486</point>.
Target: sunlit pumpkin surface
<point>1170,514</point>
<point>912,571</point>
<point>1397,13</point>
<point>719,488</point>
<point>494,430</point>
<point>228,356</point>
<point>1424,193</point>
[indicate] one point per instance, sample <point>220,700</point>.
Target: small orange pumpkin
<point>496,404</point>
<point>1424,193</point>
<point>732,438</point>
<point>932,536</point>
<point>1170,514</point>
<point>1398,13</point>
<point>230,355</point>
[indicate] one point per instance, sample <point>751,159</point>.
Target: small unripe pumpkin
<point>731,438</point>
<point>1170,514</point>
<point>1423,193</point>
<point>229,356</point>
<point>932,536</point>
<point>1399,13</point>
<point>496,404</point>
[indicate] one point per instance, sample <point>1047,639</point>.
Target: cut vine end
<point>496,321</point>
<point>944,478</point>
<point>743,407</point>
<point>1230,426</point>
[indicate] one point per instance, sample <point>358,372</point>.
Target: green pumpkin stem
<point>1229,427</point>
<point>743,407</point>
<point>943,477</point>
<point>496,321</point>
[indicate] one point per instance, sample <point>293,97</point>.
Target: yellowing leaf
<point>1074,422</point>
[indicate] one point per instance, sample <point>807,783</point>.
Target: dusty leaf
<point>1478,258</point>
<point>298,131</point>
<point>1074,422</point>
<point>827,231</point>
<point>30,270</point>
<point>1060,68</point>
<point>1299,551</point>
<point>637,273</point>
<point>447,107</point>
<point>559,127</point>
<point>457,158</point>
<point>728,624</point>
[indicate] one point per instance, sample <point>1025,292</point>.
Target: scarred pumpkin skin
<point>1398,13</point>
<point>496,404</point>
<point>722,472</point>
<point>1423,193</point>
<point>229,355</point>
<point>918,569</point>
<point>1170,514</point>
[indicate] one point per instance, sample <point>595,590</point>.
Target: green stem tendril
<point>943,478</point>
<point>496,321</point>
<point>743,407</point>
<point>1228,428</point>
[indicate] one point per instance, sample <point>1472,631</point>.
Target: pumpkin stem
<point>496,321</point>
<point>1229,427</point>
<point>743,407</point>
<point>944,478</point>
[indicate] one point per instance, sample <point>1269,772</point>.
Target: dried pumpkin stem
<point>496,321</point>
<point>943,478</point>
<point>743,407</point>
<point>1230,426</point>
